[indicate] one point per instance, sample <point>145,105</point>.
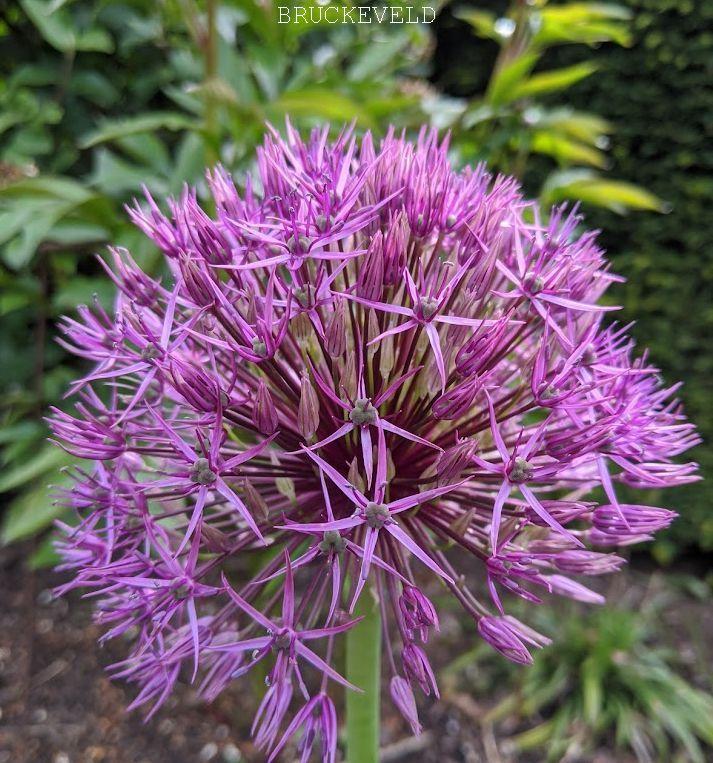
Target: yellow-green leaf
<point>503,85</point>
<point>565,150</point>
<point>552,81</point>
<point>589,188</point>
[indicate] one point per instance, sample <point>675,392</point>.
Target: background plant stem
<point>364,671</point>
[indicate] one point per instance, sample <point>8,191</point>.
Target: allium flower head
<point>359,364</point>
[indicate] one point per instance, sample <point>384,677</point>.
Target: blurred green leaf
<point>189,163</point>
<point>588,23</point>
<point>25,430</point>
<point>20,250</point>
<point>44,555</point>
<point>59,31</point>
<point>603,192</point>
<point>482,22</point>
<point>116,129</point>
<point>46,186</point>
<point>318,103</point>
<point>505,81</point>
<point>566,150</point>
<point>543,83</point>
<point>376,56</point>
<point>580,125</point>
<point>49,459</point>
<point>31,513</point>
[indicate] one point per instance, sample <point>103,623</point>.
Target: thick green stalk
<point>364,671</point>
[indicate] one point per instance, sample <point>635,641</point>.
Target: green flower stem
<point>364,671</point>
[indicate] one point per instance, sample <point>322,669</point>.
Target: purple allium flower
<point>347,374</point>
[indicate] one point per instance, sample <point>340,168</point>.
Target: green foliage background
<point>658,96</point>
<point>98,98</point>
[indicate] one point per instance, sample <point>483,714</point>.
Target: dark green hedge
<point>659,95</point>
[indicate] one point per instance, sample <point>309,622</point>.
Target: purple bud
<point>563,586</point>
<point>265,412</point>
<point>580,562</point>
<point>254,501</point>
<point>335,337</point>
<point>458,400</point>
<point>455,460</point>
<point>402,696</point>
<point>308,409</point>
<point>417,668</point>
<point>627,521</point>
<point>506,635</point>
<point>200,391</point>
<point>395,244</point>
<point>417,612</point>
<point>370,280</point>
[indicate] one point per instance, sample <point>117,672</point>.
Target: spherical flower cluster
<point>365,374</point>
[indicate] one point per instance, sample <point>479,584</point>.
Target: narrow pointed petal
<point>406,540</point>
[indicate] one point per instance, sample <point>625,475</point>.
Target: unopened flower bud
<point>395,244</point>
<point>266,419</point>
<point>507,634</point>
<point>335,337</point>
<point>386,359</point>
<point>301,328</point>
<point>308,409</point>
<point>370,280</point>
<point>563,586</point>
<point>348,377</point>
<point>402,696</point>
<point>417,613</point>
<point>455,460</point>
<point>354,475</point>
<point>254,500</point>
<point>458,400</point>
<point>418,669</point>
<point>461,524</point>
<point>215,540</point>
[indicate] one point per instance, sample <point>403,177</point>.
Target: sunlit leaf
<point>503,86</point>
<point>580,125</point>
<point>543,83</point>
<point>616,195</point>
<point>588,23</point>
<point>565,150</point>
<point>482,22</point>
<point>319,103</point>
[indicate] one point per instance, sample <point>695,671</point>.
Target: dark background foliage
<point>657,93</point>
